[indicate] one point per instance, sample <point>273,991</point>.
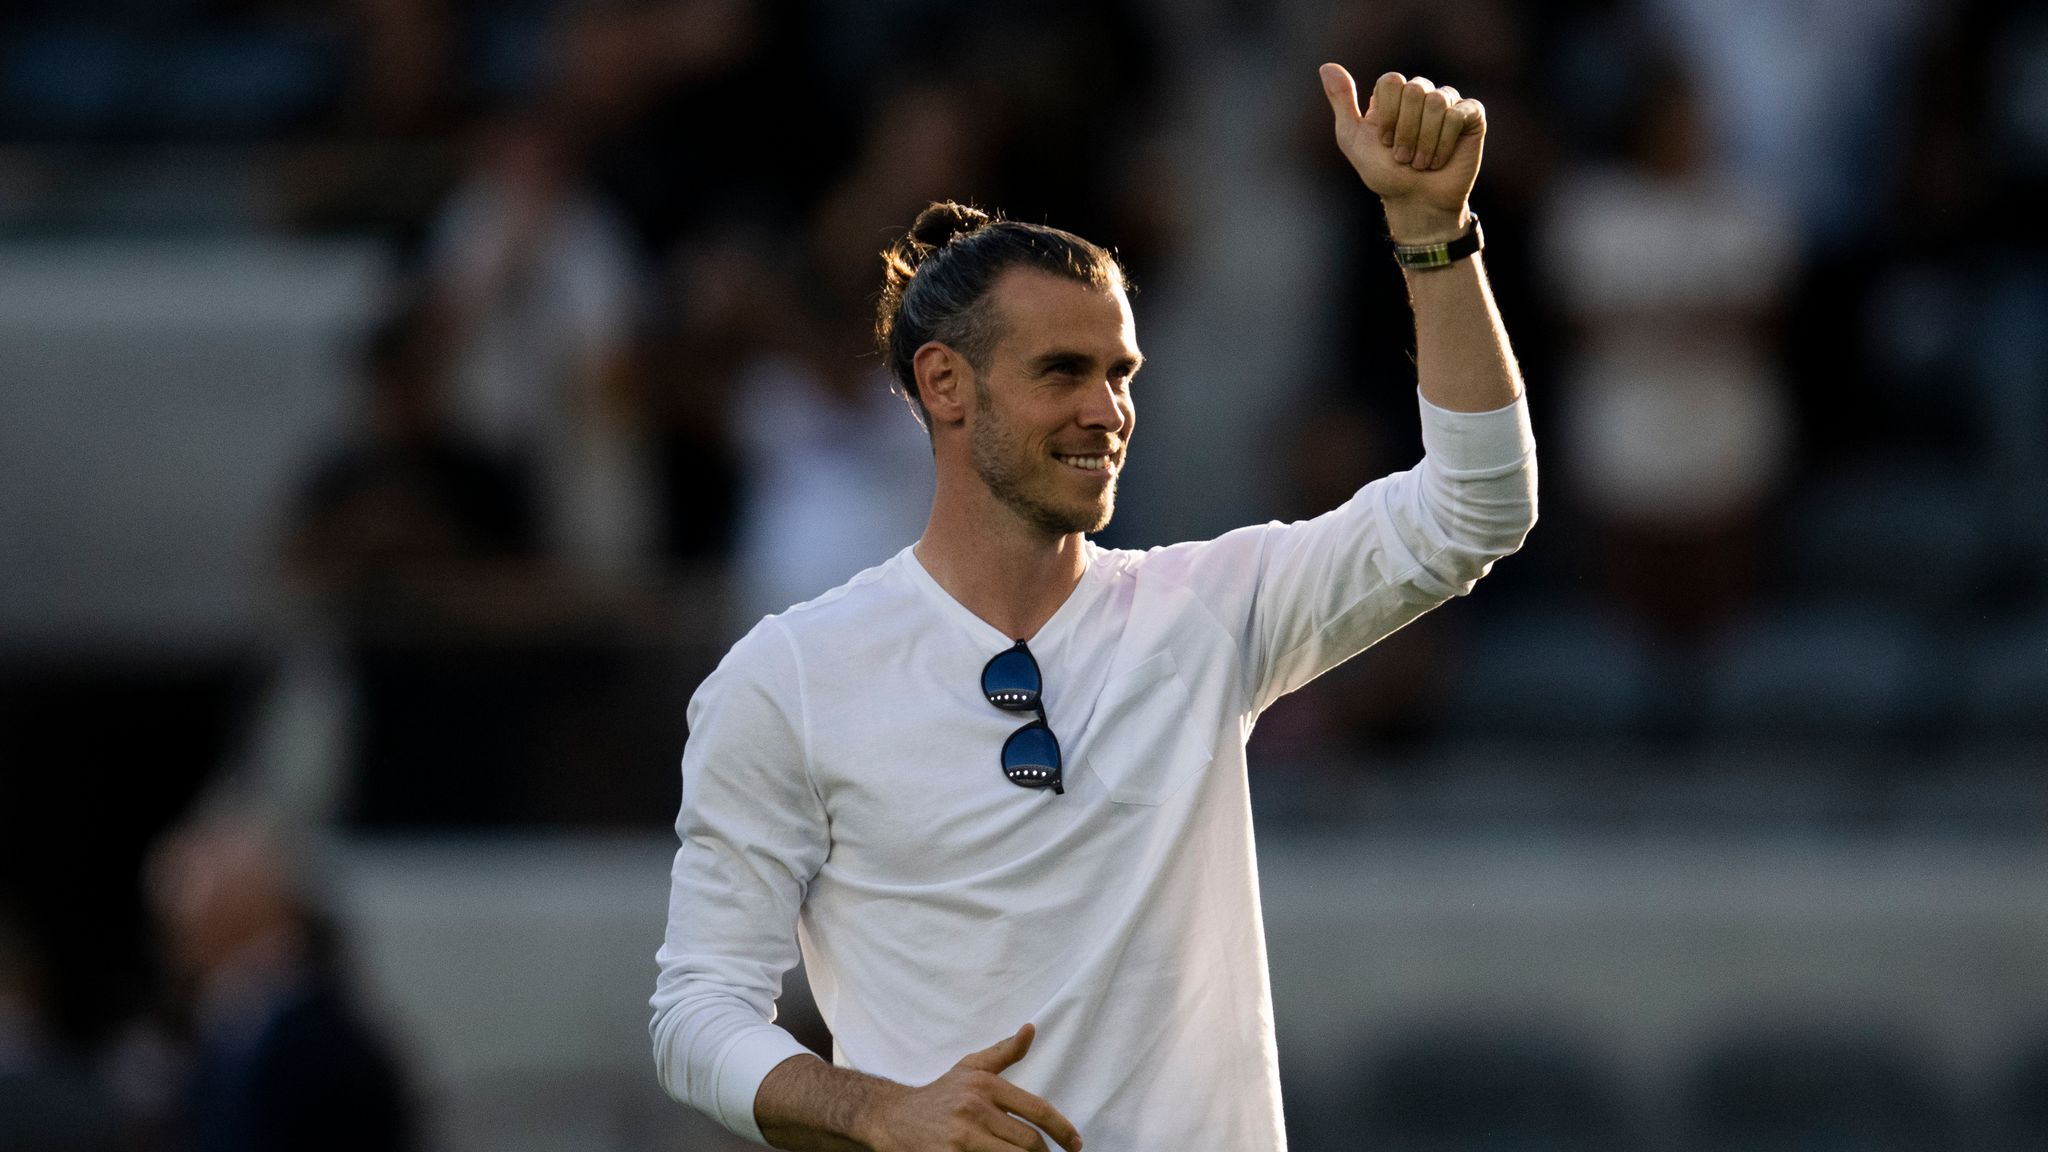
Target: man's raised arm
<point>1418,146</point>
<point>1328,588</point>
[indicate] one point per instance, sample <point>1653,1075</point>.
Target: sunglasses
<point>1031,756</point>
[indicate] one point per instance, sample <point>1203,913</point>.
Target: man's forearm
<point>807,1105</point>
<point>1462,357</point>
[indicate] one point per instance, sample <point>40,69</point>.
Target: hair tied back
<point>944,220</point>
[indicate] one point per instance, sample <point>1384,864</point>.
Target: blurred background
<point>403,403</point>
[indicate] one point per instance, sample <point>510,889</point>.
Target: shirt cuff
<point>746,1064</point>
<point>1477,441</point>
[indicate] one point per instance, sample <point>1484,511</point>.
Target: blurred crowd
<point>1772,270</point>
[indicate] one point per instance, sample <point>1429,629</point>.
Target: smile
<point>1097,464</point>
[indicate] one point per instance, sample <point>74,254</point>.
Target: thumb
<point>1002,1053</point>
<point>1342,92</point>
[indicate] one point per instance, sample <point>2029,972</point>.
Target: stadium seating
<point>1833,671</point>
<point>2005,693</point>
<point>1907,534</point>
<point>1491,1087</point>
<point>1555,671</point>
<point>1816,1088</point>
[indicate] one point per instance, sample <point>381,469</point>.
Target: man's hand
<point>969,1109</point>
<point>1416,144</point>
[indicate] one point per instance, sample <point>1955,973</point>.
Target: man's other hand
<point>970,1109</point>
<point>1416,144</point>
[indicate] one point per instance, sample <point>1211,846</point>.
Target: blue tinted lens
<point>1010,681</point>
<point>1031,756</point>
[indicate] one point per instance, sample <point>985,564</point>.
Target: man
<point>280,1061</point>
<point>994,789</point>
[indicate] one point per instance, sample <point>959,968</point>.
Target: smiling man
<point>993,791</point>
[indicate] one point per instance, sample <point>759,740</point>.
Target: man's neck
<point>1002,570</point>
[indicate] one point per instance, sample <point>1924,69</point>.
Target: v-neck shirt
<point>1050,633</point>
<point>843,801</point>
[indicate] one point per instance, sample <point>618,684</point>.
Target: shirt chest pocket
<point>1144,740</point>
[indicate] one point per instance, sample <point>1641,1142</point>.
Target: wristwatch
<point>1427,256</point>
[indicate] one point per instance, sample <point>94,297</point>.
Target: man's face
<point>1053,413</point>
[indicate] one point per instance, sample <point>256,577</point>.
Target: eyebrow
<point>1063,358</point>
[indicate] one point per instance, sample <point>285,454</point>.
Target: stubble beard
<point>1006,465</point>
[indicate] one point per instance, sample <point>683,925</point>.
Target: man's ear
<point>944,381</point>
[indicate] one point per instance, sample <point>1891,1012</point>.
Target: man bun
<point>937,226</point>
<point>942,220</point>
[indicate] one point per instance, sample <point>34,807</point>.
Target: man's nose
<point>1102,409</point>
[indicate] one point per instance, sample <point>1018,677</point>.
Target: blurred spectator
<point>839,478</point>
<point>1677,426</point>
<point>1803,99</point>
<point>1889,338</point>
<point>2010,349</point>
<point>412,532</point>
<point>838,473</point>
<point>724,307</point>
<point>463,641</point>
<point>280,1060</point>
<point>1924,344</point>
<point>46,1105</point>
<point>703,111</point>
<point>542,290</point>
<point>927,141</point>
<point>392,531</point>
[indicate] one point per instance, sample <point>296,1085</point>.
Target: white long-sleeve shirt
<point>843,797</point>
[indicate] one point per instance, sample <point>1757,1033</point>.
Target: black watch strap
<point>1427,256</point>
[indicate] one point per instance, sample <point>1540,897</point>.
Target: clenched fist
<point>1416,144</point>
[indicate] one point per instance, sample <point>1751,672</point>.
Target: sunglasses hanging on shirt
<point>1031,756</point>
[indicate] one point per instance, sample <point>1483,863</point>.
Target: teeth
<point>1091,463</point>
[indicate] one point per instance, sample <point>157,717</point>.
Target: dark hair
<point>935,283</point>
